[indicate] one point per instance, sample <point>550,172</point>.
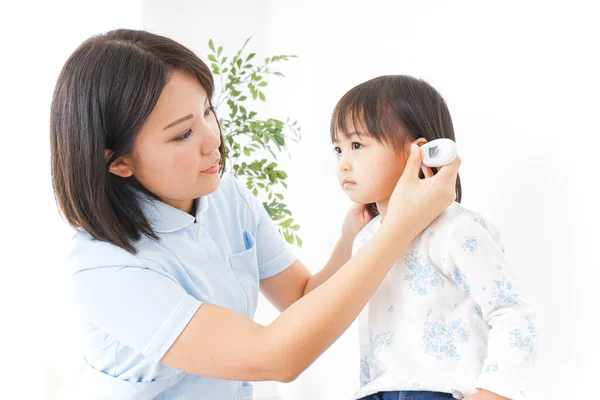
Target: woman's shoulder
<point>88,253</point>
<point>231,187</point>
<point>234,194</point>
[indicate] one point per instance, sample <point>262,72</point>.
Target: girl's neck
<point>382,207</point>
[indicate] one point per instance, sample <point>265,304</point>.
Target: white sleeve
<point>475,260</point>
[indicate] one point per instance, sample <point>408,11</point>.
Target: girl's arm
<point>287,287</point>
<point>223,344</point>
<point>475,260</point>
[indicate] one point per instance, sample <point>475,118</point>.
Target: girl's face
<point>368,171</point>
<point>176,155</point>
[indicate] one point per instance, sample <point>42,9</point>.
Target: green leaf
<point>244,135</point>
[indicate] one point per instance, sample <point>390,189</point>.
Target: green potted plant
<point>252,143</point>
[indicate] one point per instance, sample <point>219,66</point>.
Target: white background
<point>520,78</point>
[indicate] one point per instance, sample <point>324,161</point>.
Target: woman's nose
<point>212,140</point>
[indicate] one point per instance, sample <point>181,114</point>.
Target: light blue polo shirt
<point>134,307</point>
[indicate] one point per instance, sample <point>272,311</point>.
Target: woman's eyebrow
<point>180,120</point>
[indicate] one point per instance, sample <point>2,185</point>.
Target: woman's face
<point>176,155</point>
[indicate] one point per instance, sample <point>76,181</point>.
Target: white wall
<point>40,335</point>
<point>521,80</point>
<point>522,84</point>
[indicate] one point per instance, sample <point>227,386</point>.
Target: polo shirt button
<point>201,231</point>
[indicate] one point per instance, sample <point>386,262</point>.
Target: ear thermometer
<point>438,152</point>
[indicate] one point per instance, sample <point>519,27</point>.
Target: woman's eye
<point>337,150</point>
<point>184,136</point>
<point>356,145</point>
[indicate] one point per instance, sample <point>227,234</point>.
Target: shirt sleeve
<point>475,260</point>
<point>274,254</point>
<point>141,308</point>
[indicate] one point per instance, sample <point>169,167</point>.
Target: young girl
<point>448,320</point>
<point>171,252</point>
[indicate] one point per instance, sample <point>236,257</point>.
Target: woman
<point>170,253</point>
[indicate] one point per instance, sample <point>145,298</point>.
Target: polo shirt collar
<point>165,218</point>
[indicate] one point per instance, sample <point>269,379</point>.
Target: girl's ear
<point>122,166</point>
<point>420,141</point>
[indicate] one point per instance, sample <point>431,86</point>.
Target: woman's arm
<point>223,344</point>
<point>287,287</point>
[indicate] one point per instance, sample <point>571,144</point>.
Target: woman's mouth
<point>348,184</point>
<point>213,169</point>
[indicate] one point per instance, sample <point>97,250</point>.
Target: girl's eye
<point>337,150</point>
<point>184,136</point>
<point>356,145</point>
<point>208,111</point>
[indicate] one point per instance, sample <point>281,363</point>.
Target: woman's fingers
<point>449,171</point>
<point>413,164</point>
<point>427,171</point>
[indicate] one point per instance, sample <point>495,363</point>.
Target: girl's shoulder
<point>459,219</point>
<point>366,233</point>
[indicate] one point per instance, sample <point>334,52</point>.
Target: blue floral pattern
<point>525,341</point>
<point>504,292</point>
<point>440,338</point>
<point>491,368</point>
<point>368,367</point>
<point>470,244</point>
<point>463,253</point>
<point>421,275</point>
<point>461,279</point>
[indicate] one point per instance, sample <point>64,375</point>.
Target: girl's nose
<point>344,165</point>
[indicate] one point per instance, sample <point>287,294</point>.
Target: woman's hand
<point>416,203</point>
<point>356,219</point>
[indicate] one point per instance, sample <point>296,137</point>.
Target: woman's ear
<point>122,166</point>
